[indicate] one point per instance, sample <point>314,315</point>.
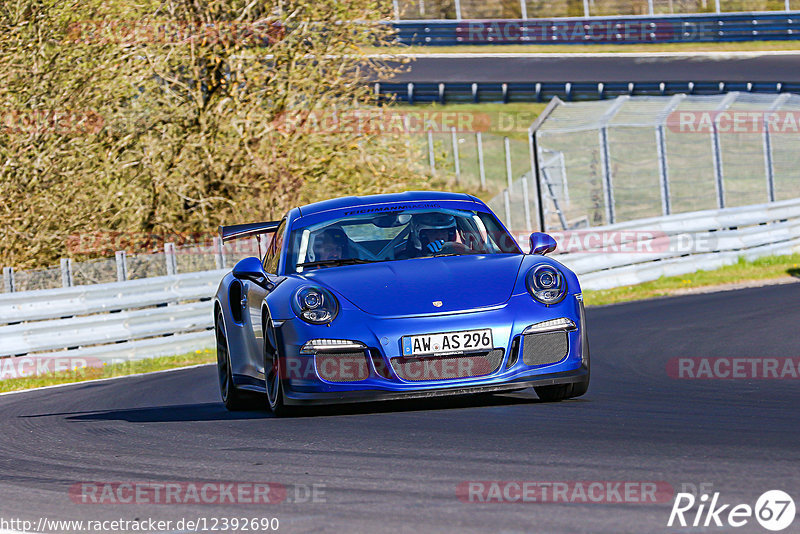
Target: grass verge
<point>742,272</point>
<point>744,46</point>
<point>148,365</point>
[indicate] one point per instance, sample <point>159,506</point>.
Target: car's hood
<point>410,287</point>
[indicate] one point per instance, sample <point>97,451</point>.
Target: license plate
<point>447,342</point>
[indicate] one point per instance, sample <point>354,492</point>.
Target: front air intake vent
<point>448,367</point>
<point>543,349</point>
<point>342,366</point>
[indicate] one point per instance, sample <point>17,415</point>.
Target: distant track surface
<point>395,467</point>
<point>621,67</point>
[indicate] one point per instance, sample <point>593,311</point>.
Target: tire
<point>273,384</point>
<point>566,391</point>
<point>233,399</point>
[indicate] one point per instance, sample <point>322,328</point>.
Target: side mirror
<point>250,269</point>
<point>542,243</point>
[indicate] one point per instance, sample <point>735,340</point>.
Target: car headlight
<point>315,305</point>
<point>546,284</point>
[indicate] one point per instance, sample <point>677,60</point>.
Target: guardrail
<point>170,315</point>
<point>443,93</point>
<point>158,316</point>
<point>716,27</point>
<point>680,244</point>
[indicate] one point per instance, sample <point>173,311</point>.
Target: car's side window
<point>273,255</point>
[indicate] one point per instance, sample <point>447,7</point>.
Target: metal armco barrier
<point>443,93</point>
<point>171,315</point>
<point>603,30</point>
<point>680,244</point>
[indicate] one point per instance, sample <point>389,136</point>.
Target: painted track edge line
<point>94,381</point>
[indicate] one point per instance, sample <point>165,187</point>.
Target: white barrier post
<point>507,206</point>
<point>431,155</point>
<point>66,272</point>
<point>8,279</point>
<point>481,168</point>
<point>509,176</point>
<point>169,255</point>
<point>454,139</point>
<point>219,253</point>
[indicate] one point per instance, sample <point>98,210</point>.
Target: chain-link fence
<point>530,9</point>
<point>637,157</point>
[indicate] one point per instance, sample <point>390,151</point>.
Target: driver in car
<point>431,233</point>
<point>330,244</point>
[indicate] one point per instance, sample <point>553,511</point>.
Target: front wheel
<point>273,369</point>
<point>560,392</point>
<point>232,398</point>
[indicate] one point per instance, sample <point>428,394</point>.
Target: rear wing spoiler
<point>238,231</point>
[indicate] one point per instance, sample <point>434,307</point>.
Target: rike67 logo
<point>774,510</point>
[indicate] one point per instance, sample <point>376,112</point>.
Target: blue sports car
<point>416,294</point>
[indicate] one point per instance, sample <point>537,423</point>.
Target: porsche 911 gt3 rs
<point>394,296</point>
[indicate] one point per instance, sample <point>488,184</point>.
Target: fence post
<point>458,9</point>
<point>455,153</point>
<point>507,206</point>
<point>586,8</point>
<point>716,148</point>
<point>769,168</point>
<point>509,176</point>
<point>169,255</point>
<point>8,279</point>
<point>661,151</point>
<point>396,8</point>
<point>431,155</point>
<point>716,158</point>
<point>121,258</point>
<point>650,7</point>
<point>535,174</point>
<point>527,203</point>
<point>481,168</point>
<point>523,7</point>
<point>219,253</point>
<point>66,272</point>
<point>716,6</point>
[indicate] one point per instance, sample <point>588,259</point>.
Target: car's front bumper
<point>381,339</point>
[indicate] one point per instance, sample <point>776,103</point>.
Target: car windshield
<point>400,235</point>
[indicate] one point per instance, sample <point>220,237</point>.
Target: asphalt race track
<point>619,67</point>
<point>396,467</point>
